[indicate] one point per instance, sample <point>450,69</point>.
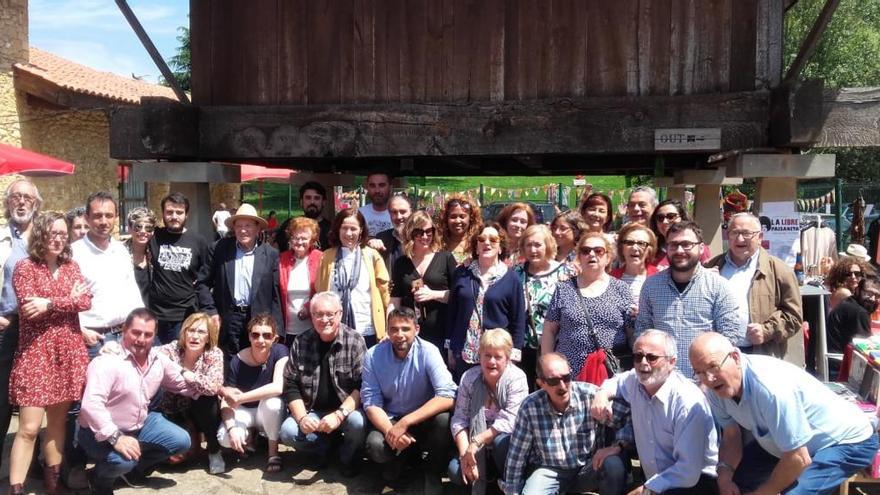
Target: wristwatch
<point>345,412</point>
<point>477,443</point>
<point>112,439</point>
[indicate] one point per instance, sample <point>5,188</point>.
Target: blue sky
<point>94,32</point>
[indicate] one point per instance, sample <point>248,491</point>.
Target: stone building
<point>60,108</point>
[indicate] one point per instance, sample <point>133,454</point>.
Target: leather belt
<point>241,309</point>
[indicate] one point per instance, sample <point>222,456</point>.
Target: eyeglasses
<point>143,227</point>
<point>652,358</point>
<point>745,234</point>
<point>494,239</point>
<point>27,198</point>
<point>631,243</point>
<point>856,274</point>
<point>263,335</point>
<point>686,245</point>
<point>58,235</point>
<point>712,372</point>
<point>557,380</point>
<point>420,232</point>
<point>326,315</point>
<point>667,217</point>
<point>197,331</point>
<point>587,250</point>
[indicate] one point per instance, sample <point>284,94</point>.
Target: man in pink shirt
<point>116,428</point>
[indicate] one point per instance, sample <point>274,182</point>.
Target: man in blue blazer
<point>240,280</point>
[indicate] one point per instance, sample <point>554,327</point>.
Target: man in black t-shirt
<point>178,256</point>
<point>852,317</point>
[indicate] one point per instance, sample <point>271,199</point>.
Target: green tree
<point>181,63</point>
<point>847,55</point>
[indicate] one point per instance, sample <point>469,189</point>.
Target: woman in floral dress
<point>49,368</point>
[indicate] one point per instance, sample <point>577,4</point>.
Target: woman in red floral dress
<point>49,370</point>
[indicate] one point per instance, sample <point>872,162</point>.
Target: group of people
<point>541,357</point>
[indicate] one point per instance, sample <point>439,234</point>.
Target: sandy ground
<point>246,477</point>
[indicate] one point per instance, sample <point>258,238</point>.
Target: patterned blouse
<point>209,376</point>
<point>539,290</point>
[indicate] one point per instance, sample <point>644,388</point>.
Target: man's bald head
<point>716,363</point>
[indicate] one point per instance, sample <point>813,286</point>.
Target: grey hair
<point>37,204</point>
<point>750,216</point>
<point>671,347</point>
<point>328,296</point>
<point>646,189</point>
<point>140,214</point>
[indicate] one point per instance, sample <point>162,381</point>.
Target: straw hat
<point>856,250</point>
<point>246,211</point>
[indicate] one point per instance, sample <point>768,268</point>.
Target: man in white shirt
<point>375,212</point>
<point>106,265</point>
<point>219,220</point>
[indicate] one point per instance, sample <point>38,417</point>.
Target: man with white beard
<point>22,203</point>
<point>674,430</point>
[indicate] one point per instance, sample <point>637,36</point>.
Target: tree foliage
<point>181,63</point>
<point>847,55</point>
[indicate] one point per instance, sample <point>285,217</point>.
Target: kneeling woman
<point>485,411</point>
<point>197,353</point>
<point>252,393</point>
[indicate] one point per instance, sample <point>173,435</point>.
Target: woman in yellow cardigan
<point>357,273</point>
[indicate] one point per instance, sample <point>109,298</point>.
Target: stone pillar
<point>677,192</point>
<point>13,49</point>
<point>199,217</point>
<point>775,189</point>
<point>707,213</point>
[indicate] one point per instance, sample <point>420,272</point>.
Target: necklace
<point>254,359</point>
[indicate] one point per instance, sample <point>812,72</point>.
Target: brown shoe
<point>52,480</point>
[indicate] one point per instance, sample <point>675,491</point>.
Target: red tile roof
<point>85,80</point>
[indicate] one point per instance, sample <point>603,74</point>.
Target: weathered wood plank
<point>434,49</point>
<point>345,56</point>
<point>260,52</point>
<point>743,37</point>
<point>364,18</point>
<point>201,45</point>
<point>323,75</point>
<point>848,117</point>
<point>293,52</point>
<point>593,125</point>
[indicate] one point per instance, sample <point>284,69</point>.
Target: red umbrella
<point>260,173</point>
<point>15,160</point>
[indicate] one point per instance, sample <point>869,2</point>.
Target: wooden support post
<point>707,213</point>
<point>676,192</point>
<point>775,189</point>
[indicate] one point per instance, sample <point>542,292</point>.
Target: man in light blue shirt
<point>407,394</point>
<point>674,430</point>
<point>819,438</point>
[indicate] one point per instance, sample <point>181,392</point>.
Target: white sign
<point>708,139</point>
<point>580,182</point>
<point>782,229</point>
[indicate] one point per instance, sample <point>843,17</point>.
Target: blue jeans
<point>159,439</point>
<point>108,337</point>
<point>609,479</point>
<point>166,331</point>
<point>353,430</point>
<point>496,454</point>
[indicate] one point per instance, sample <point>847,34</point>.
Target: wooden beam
<point>601,126</point>
<point>174,131</point>
<point>708,176</point>
<point>809,44</point>
<point>813,116</point>
<point>811,166</point>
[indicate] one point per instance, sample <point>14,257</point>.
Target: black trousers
<point>233,332</point>
<point>8,345</point>
<point>707,485</point>
<point>432,436</point>
<point>205,415</point>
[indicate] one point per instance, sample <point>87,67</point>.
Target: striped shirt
<point>707,304</point>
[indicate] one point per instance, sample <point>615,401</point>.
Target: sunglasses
<point>494,239</point>
<point>263,335</point>
<point>587,250</point>
<point>667,217</point>
<point>143,228</point>
<point>856,274</point>
<point>631,243</point>
<point>652,358</point>
<point>557,380</point>
<point>420,232</point>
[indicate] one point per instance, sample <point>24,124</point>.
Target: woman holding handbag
<point>591,312</point>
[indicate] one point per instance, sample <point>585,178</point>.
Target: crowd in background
<point>541,357</point>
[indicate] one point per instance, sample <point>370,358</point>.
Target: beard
<point>21,218</point>
<point>690,265</point>
<point>311,211</point>
<point>656,377</point>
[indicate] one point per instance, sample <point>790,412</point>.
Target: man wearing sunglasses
<point>674,430</point>
<point>553,448</point>
<point>767,292</point>
<point>687,300</point>
<point>809,440</point>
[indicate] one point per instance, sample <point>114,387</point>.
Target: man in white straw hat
<point>240,280</point>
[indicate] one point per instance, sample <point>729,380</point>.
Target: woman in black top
<point>422,277</point>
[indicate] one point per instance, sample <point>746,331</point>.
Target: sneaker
<point>134,479</point>
<point>216,464</point>
<point>94,489</point>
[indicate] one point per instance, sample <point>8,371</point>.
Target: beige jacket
<point>379,293</point>
<point>775,303</point>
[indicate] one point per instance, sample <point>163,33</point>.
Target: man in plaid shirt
<point>554,448</point>
<point>322,382</point>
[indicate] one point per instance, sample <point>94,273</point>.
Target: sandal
<point>273,465</point>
